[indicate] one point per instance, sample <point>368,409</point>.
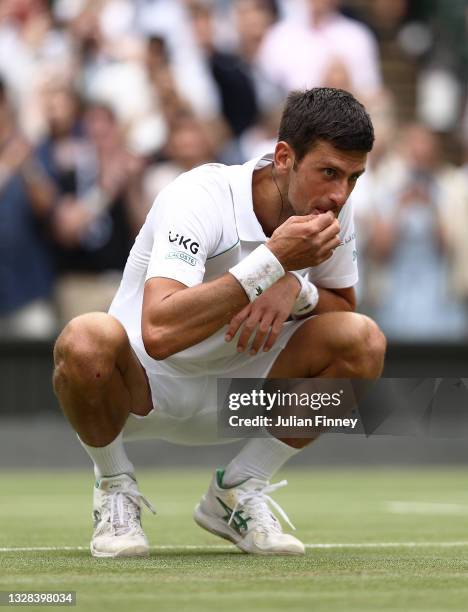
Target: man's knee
<point>364,347</point>
<point>87,349</point>
<point>377,342</point>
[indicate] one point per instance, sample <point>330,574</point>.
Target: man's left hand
<point>265,316</point>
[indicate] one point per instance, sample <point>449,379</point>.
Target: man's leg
<point>333,345</point>
<point>99,381</point>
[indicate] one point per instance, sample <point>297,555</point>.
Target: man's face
<point>324,179</point>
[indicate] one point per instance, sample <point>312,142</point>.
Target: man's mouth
<point>322,211</point>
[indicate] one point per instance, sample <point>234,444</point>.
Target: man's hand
<point>266,315</point>
<point>303,242</point>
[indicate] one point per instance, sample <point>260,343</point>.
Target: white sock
<point>110,460</point>
<point>260,458</point>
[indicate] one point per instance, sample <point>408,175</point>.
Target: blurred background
<point>104,102</point>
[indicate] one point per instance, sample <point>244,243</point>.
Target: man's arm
<point>262,320</point>
<point>176,317</point>
<point>207,308</point>
<point>336,300</point>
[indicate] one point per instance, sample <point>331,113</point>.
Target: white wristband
<point>258,271</point>
<point>307,299</point>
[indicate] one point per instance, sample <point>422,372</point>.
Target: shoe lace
<point>257,501</point>
<point>124,509</point>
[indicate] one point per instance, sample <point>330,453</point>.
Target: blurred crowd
<point>104,102</point>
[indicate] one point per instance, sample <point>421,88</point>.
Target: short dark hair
<point>325,113</point>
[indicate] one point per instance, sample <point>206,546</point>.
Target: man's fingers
<point>331,244</point>
<point>262,331</point>
<point>274,333</point>
<point>330,231</point>
<point>323,219</point>
<point>236,322</point>
<point>320,221</point>
<point>327,249</point>
<point>323,227</point>
<point>248,329</point>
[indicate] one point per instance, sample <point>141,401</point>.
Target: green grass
<point>339,506</point>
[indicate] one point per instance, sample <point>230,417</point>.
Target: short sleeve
<point>341,270</point>
<point>187,227</point>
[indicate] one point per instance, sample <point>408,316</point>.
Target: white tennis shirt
<point>199,226</point>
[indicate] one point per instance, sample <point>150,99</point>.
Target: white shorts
<point>185,407</point>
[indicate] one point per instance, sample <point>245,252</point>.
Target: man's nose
<point>339,194</point>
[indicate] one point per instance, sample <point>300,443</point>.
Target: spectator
<point>26,270</point>
<point>111,59</point>
<point>64,152</point>
<point>189,144</point>
<point>161,76</point>
<point>254,19</point>
<point>409,241</point>
<point>33,50</point>
<point>296,55</point>
<point>455,222</point>
<point>229,72</point>
<point>262,137</point>
<point>169,20</point>
<point>92,224</point>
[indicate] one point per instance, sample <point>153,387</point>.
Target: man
<point>216,251</point>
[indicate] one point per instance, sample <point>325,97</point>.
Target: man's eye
<point>329,172</point>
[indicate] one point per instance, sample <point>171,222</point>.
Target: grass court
<point>377,539</point>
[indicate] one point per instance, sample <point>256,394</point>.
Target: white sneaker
<point>117,525</point>
<point>241,514</point>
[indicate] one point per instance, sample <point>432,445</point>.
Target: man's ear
<point>284,157</point>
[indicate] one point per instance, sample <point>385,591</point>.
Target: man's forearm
<point>189,316</point>
<point>330,301</point>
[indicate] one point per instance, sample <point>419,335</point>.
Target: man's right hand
<point>303,242</point>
